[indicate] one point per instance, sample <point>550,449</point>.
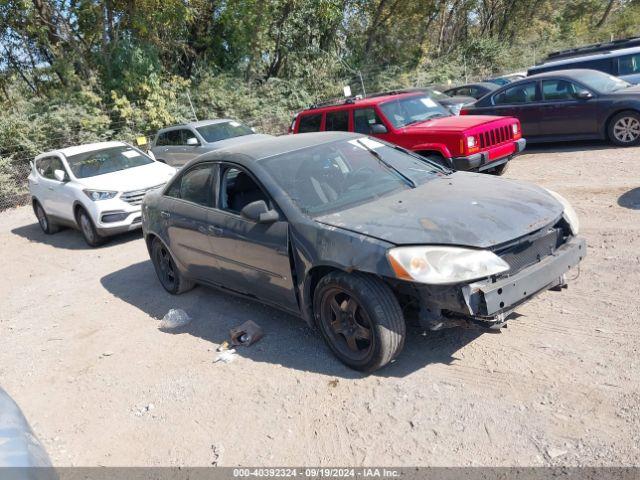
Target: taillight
<point>464,111</point>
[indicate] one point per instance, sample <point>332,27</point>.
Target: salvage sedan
<point>351,233</point>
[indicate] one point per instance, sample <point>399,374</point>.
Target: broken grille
<point>526,253</point>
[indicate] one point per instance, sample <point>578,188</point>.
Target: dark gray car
<point>351,233</point>
<point>178,144</point>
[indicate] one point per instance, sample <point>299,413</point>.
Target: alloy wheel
<point>347,324</point>
<point>627,129</point>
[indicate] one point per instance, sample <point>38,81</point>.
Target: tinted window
<point>238,189</point>
<point>162,139</point>
<point>629,64</point>
<point>338,120</point>
<point>364,118</point>
<point>195,186</point>
<point>107,160</point>
<point>173,137</point>
<point>220,131</point>
<point>338,175</point>
<point>604,65</point>
<point>523,93</point>
<point>559,90</point>
<point>310,123</point>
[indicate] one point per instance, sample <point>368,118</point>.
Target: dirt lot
<point>81,352</point>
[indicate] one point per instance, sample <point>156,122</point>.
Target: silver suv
<point>178,144</point>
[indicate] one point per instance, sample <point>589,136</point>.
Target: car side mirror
<point>60,175</point>
<point>584,95</point>
<point>378,128</point>
<point>259,212</point>
<point>192,141</point>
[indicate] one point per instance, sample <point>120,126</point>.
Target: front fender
<point>435,147</point>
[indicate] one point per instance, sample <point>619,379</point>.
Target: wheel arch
<point>312,277</point>
<point>618,111</point>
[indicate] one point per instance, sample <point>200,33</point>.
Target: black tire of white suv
<point>88,229</point>
<point>44,221</point>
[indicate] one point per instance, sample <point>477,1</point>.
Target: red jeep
<point>416,122</point>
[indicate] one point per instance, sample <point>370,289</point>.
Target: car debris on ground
<point>226,356</point>
<point>175,318</point>
<point>246,334</point>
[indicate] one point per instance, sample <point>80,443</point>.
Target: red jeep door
<point>366,120</point>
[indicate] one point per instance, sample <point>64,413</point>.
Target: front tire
<point>47,226</point>
<point>624,129</point>
<point>360,319</point>
<point>170,277</point>
<point>500,169</point>
<point>88,229</point>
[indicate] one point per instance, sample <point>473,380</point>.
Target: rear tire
<point>170,277</point>
<point>88,229</point>
<point>624,129</point>
<point>360,319</point>
<point>47,226</point>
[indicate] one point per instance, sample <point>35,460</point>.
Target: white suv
<point>97,188</point>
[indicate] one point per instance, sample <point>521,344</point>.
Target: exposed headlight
<point>569,213</point>
<point>471,142</point>
<point>444,265</point>
<point>96,195</point>
<point>514,128</point>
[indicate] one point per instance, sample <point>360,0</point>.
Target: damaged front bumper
<point>489,301</point>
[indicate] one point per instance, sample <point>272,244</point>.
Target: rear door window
<point>174,137</point>
<point>518,94</point>
<point>310,123</point>
<point>337,121</point>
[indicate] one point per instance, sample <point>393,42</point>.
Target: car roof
<point>569,73</point>
<point>488,85</point>
<point>586,58</point>
<point>88,147</point>
<point>269,147</point>
<point>199,123</point>
<point>363,102</point>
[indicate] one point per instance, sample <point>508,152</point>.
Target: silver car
<point>178,144</point>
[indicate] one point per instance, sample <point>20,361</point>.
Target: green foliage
<point>74,72</point>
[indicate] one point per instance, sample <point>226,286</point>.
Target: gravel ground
<point>81,353</point>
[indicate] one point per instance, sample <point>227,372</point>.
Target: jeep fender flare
<point>434,147</point>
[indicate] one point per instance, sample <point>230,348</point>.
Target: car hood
<point>452,123</point>
<point>467,209</point>
<point>19,447</point>
<point>634,89</point>
<point>229,142</point>
<point>137,178</point>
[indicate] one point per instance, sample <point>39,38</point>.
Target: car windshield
<point>223,130</point>
<point>602,82</point>
<point>339,175</point>
<point>107,160</point>
<point>407,110</point>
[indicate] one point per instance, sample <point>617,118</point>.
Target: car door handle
<point>165,214</point>
<point>165,149</point>
<point>215,230</point>
<point>50,188</point>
